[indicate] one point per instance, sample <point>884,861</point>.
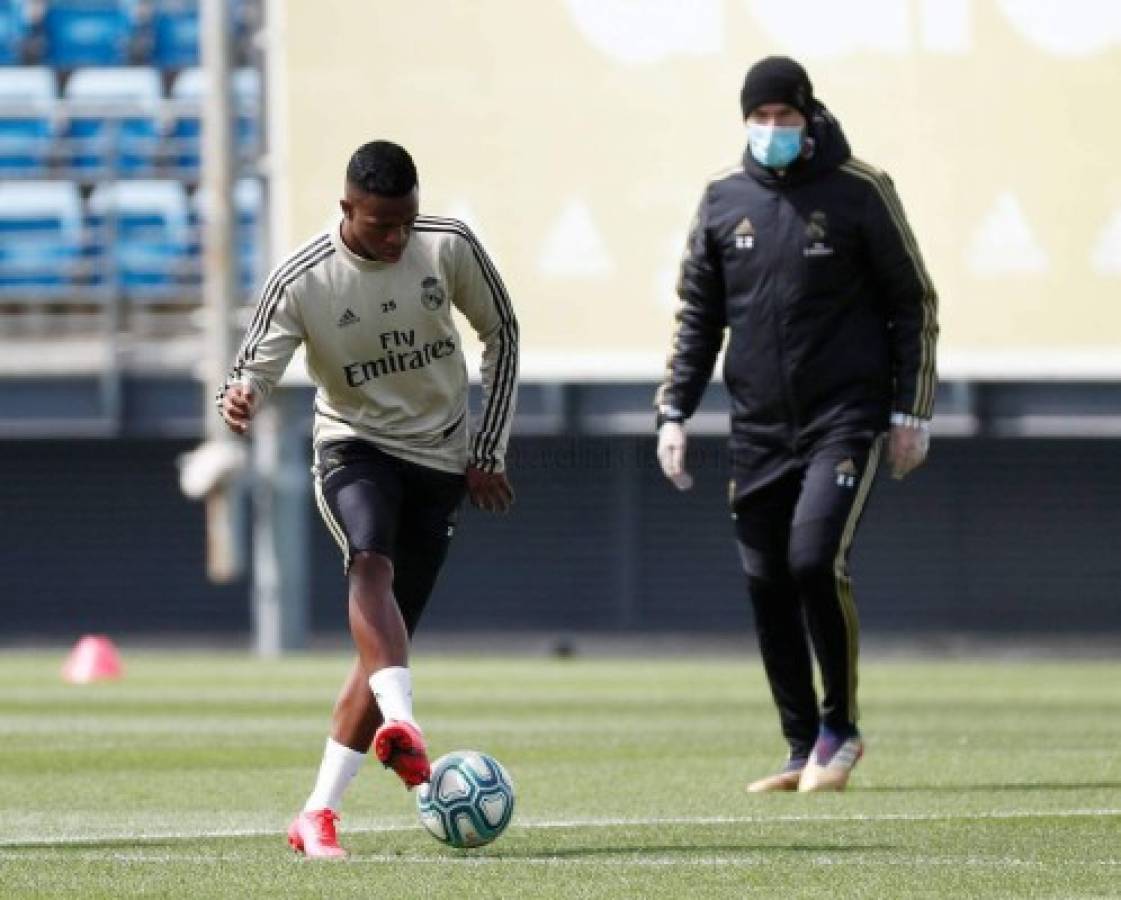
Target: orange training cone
<point>94,658</point>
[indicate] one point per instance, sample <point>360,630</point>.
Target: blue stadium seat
<point>187,92</point>
<point>249,208</point>
<point>13,30</point>
<point>175,34</point>
<point>113,126</point>
<point>40,236</point>
<point>144,226</point>
<point>247,108</point>
<point>89,32</point>
<point>27,100</point>
<point>246,19</point>
<point>248,222</point>
<point>186,128</point>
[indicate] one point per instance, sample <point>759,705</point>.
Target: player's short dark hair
<point>383,168</point>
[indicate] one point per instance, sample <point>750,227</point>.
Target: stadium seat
<point>144,227</point>
<point>249,202</point>
<point>89,32</point>
<point>113,126</point>
<point>27,99</point>
<point>187,91</point>
<point>248,217</point>
<point>246,19</point>
<point>40,235</point>
<point>13,29</point>
<point>175,34</point>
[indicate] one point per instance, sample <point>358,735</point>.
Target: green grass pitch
<point>981,779</point>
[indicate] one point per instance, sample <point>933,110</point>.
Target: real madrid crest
<point>815,228</point>
<point>816,233</point>
<point>432,293</point>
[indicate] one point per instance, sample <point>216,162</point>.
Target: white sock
<point>340,765</point>
<point>393,689</point>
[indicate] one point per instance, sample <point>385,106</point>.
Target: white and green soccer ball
<point>469,800</point>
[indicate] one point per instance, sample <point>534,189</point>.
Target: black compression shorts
<point>372,501</point>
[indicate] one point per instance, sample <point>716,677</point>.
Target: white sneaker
<point>786,779</point>
<point>831,763</point>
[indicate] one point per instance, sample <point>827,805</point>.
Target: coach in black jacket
<point>804,256</point>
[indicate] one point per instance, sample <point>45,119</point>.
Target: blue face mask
<point>774,146</point>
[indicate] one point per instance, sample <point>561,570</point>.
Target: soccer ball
<point>469,800</point>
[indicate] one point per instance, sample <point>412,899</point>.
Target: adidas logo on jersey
<point>348,318</point>
<point>846,474</point>
<point>745,235</point>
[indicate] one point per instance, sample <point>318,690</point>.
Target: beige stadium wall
<point>575,137</point>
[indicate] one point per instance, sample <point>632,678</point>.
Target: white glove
<point>907,448</point>
<point>671,454</point>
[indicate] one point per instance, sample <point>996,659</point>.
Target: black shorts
<point>372,501</point>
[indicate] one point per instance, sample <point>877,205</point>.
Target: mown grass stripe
<point>623,822</point>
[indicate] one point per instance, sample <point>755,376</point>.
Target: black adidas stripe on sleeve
<point>307,256</point>
<point>499,406</point>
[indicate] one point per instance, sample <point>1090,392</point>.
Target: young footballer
<point>371,300</point>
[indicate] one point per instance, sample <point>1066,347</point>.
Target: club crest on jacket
<point>816,229</point>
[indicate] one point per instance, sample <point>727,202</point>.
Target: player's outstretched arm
<point>237,408</point>
<point>490,491</point>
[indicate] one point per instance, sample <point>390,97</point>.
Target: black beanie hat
<point>777,79</point>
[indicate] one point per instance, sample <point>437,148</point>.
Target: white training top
<point>382,348</point>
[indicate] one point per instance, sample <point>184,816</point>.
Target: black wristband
<point>664,416</point>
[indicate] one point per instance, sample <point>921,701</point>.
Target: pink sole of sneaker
<point>296,842</point>
<point>298,848</point>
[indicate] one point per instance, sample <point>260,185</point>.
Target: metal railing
<point>127,139</point>
<point>83,262</point>
<point>109,257</point>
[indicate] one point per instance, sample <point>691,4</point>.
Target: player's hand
<point>671,454</point>
<point>238,406</point>
<point>489,490</point>
<point>906,449</point>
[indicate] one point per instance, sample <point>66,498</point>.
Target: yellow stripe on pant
<point>841,573</point>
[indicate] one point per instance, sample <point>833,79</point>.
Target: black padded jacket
<point>817,279</point>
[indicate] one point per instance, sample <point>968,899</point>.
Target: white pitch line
<point>850,817</point>
<point>699,821</point>
<point>624,859</point>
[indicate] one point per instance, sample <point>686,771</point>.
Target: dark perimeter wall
<point>992,537</point>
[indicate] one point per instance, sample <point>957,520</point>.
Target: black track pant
<point>794,532</point>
